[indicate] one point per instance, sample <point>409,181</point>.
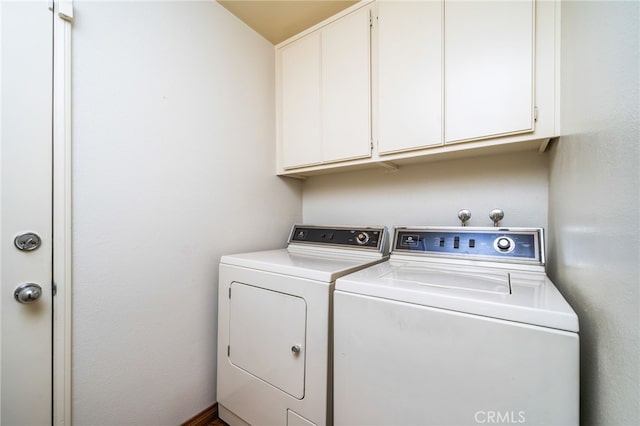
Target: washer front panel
<point>439,367</point>
<point>496,244</point>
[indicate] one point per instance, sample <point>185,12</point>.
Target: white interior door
<point>25,206</point>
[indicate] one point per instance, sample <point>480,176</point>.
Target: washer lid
<point>496,282</point>
<point>319,266</point>
<point>532,299</point>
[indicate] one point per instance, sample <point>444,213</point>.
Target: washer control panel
<point>361,237</point>
<point>510,244</point>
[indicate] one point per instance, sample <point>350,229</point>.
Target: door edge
<point>62,214</point>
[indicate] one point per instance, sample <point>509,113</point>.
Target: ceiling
<point>278,20</point>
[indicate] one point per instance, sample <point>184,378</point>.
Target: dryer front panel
<point>267,336</point>
<point>261,317</point>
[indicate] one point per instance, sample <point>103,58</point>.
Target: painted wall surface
<point>433,193</point>
<point>594,190</point>
<point>173,166</point>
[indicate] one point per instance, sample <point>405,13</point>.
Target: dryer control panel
<point>361,237</point>
<point>507,244</point>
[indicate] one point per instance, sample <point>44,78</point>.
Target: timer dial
<point>504,244</point>
<point>362,238</point>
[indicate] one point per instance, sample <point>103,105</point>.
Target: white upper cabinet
<point>393,82</point>
<point>489,63</point>
<point>301,102</point>
<point>409,71</point>
<point>324,94</point>
<point>346,87</point>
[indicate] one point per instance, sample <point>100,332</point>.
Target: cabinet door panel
<point>263,327</point>
<point>409,75</point>
<point>488,68</point>
<point>346,88</point>
<point>301,101</point>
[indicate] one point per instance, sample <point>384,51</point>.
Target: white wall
<point>173,166</point>
<point>594,190</point>
<point>433,193</point>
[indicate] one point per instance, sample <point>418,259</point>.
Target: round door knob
<point>296,349</point>
<point>28,293</point>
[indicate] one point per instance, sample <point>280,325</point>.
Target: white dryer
<point>461,326</point>
<point>274,324</point>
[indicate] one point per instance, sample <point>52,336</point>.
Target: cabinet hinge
<point>370,20</point>
<point>229,292</point>
<point>535,113</point>
<point>65,10</point>
<point>54,289</point>
<point>228,350</point>
<point>371,144</point>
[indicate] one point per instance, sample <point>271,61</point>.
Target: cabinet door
<point>488,68</point>
<point>264,327</point>
<point>409,75</point>
<point>346,112</point>
<point>301,101</point>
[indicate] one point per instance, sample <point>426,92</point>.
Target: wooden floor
<point>208,417</point>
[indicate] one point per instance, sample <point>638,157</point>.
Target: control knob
<point>496,215</point>
<point>503,243</point>
<point>464,215</point>
<point>362,238</point>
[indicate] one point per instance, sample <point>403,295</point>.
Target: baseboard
<point>204,417</point>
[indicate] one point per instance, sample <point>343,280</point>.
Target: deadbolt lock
<point>27,242</point>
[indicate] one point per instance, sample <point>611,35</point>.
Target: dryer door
<point>267,336</point>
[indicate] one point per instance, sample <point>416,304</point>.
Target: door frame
<point>62,212</point>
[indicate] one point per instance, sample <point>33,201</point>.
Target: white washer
<point>274,324</point>
<point>461,326</point>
